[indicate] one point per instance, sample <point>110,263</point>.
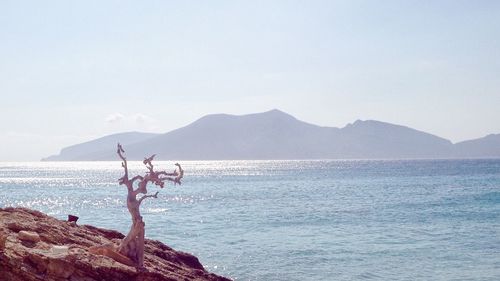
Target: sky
<point>71,71</point>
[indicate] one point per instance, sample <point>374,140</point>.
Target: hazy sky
<point>72,71</point>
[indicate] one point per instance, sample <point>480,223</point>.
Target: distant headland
<point>277,135</point>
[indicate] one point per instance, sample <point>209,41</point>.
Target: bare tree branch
<point>175,177</point>
<point>147,162</point>
<point>148,196</point>
<point>180,175</point>
<point>120,150</point>
<point>132,180</point>
<point>163,173</point>
<point>132,246</point>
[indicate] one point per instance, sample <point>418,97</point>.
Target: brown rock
<point>46,260</point>
<point>72,218</point>
<point>14,226</point>
<point>28,236</point>
<point>3,238</point>
<point>110,251</point>
<point>60,268</point>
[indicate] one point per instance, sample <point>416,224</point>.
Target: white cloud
<point>146,122</point>
<point>115,117</point>
<point>136,121</point>
<point>141,118</point>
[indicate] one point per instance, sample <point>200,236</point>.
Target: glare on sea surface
<point>430,217</point>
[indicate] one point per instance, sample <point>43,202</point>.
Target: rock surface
<point>62,253</point>
<point>29,236</point>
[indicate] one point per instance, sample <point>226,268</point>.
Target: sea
<point>294,220</point>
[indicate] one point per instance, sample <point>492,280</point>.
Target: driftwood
<point>131,249</point>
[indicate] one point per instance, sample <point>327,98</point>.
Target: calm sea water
<point>295,220</point>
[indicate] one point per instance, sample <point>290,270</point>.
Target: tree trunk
<point>132,246</point>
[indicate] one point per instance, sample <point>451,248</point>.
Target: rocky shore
<point>36,247</point>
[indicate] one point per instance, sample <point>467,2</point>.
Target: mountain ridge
<point>275,134</point>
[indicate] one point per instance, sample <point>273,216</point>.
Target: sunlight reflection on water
<point>435,219</point>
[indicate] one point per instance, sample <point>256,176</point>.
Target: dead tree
<point>132,246</point>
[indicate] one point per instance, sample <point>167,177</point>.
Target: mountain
<point>486,147</point>
<point>268,135</point>
<point>278,135</point>
<point>374,139</point>
<point>92,149</point>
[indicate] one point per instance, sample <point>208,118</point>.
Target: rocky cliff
<point>34,246</point>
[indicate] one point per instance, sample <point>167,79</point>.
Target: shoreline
<point>35,246</point>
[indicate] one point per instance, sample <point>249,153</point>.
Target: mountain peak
<point>360,122</point>
<point>275,134</point>
<point>363,123</point>
<point>275,113</point>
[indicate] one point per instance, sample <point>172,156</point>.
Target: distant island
<point>277,135</point>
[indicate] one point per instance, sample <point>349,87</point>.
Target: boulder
<point>28,236</point>
<point>36,247</point>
